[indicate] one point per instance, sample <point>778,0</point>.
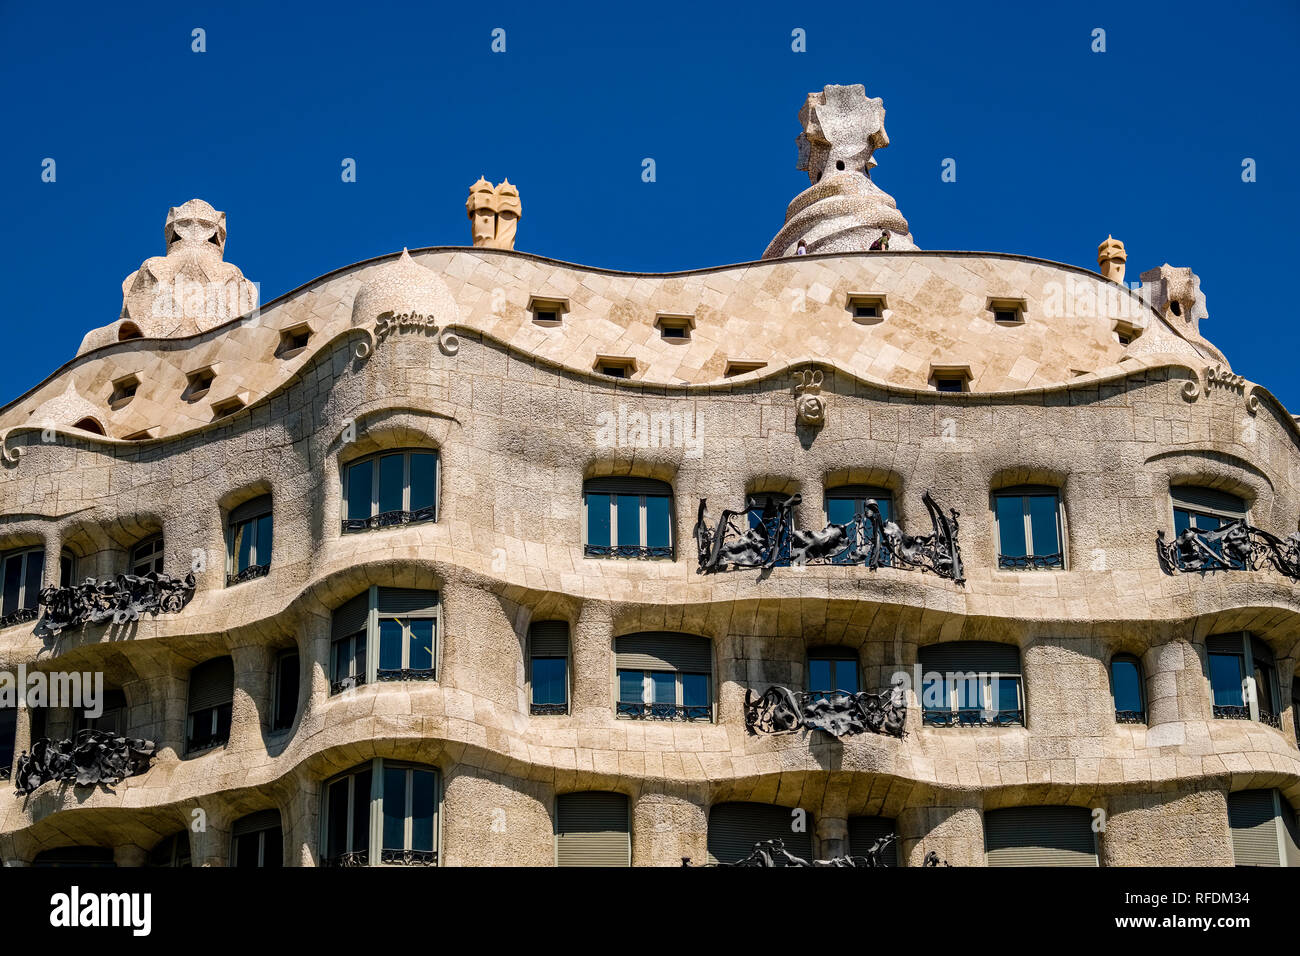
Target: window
<point>127,331</point>
<point>627,518</point>
<point>618,366</point>
<point>67,569</point>
<point>547,311</point>
<point>382,812</point>
<point>124,390</point>
<point>384,634</point>
<point>390,488</point>
<point>76,856</point>
<point>147,556</point>
<point>1126,332</point>
<point>865,831</point>
<point>198,383</point>
<point>591,829</point>
<point>89,424</point>
<point>1029,522</point>
<point>1126,689</point>
<point>284,707</point>
<point>548,655</point>
<point>8,731</point>
<point>1205,509</point>
<point>866,307</point>
<point>740,367</point>
<point>293,340</point>
<point>1263,825</point>
<point>257,840</point>
<point>227,407</point>
<point>24,570</point>
<point>1007,311</point>
<point>172,851</point>
<point>734,828</point>
<point>248,540</point>
<point>673,326</point>
<point>1039,836</point>
<point>831,670</point>
<point>112,719</point>
<point>847,503</point>
<point>950,378</point>
<point>664,676</point>
<point>1243,679</point>
<point>768,514</point>
<point>971,683</point>
<point>212,688</point>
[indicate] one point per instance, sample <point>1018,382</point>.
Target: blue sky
<point>1055,145</point>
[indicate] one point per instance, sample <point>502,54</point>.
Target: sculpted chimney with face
<point>1111,258</point>
<point>494,213</point>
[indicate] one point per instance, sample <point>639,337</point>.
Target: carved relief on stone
<point>809,405</point>
<point>843,210</point>
<point>190,289</point>
<point>494,213</point>
<point>405,297</point>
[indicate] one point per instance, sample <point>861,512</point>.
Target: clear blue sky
<point>1056,145</point>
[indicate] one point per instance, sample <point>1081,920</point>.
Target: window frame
<point>643,550</point>
<point>372,522</point>
<point>23,603</point>
<point>952,715</point>
<point>1026,493</point>
<point>1138,716</point>
<point>1249,690</point>
<point>216,740</point>
<point>155,556</point>
<point>374,616</point>
<point>828,653</point>
<point>681,710</point>
<point>280,658</point>
<point>536,709</point>
<point>375,818</point>
<point>256,567</point>
<point>261,833</point>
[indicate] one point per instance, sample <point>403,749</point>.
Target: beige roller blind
<point>1039,836</point>
<point>734,828</point>
<point>549,639</point>
<point>351,616</point>
<point>212,684</point>
<point>591,829</point>
<point>407,601</point>
<point>662,650</point>
<point>1252,815</point>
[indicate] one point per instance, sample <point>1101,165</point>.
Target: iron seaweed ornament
<point>1236,546</point>
<point>772,853</point>
<point>763,536</point>
<point>94,757</point>
<point>781,711</point>
<point>119,600</point>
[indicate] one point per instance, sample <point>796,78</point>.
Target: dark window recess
<point>949,385</point>
<point>23,574</point>
<point>257,840</point>
<point>1126,689</point>
<point>286,691</point>
<point>212,686</point>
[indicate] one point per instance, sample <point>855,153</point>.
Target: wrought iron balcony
<point>21,616</point>
<point>1273,720</point>
<point>780,710</point>
<point>638,710</point>
<point>404,673</point>
<point>1236,546</point>
<point>201,745</point>
<point>249,573</point>
<point>764,536</point>
<point>389,519</point>
<point>91,757</point>
<point>353,858</point>
<point>1232,711</point>
<point>548,710</point>
<point>972,717</point>
<point>351,682</point>
<point>627,551</point>
<point>4,770</point>
<point>1031,562</point>
<point>120,600</point>
<point>1130,717</point>
<point>408,857</point>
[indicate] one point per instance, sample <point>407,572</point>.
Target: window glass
<point>664,686</point>
<point>1264,687</point>
<point>361,810</point>
<point>846,676</point>
<point>264,539</point>
<point>549,684</point>
<point>13,583</point>
<point>246,849</point>
<point>1042,519</point>
<point>631,686</point>
<point>695,690</point>
<point>819,676</point>
<point>969,692</point>
<point>360,483</point>
<point>657,523</point>
<point>392,474</point>
<point>8,727</point>
<point>629,520</point>
<point>286,698</point>
<point>423,799</point>
<point>1011,526</point>
<point>424,481</point>
<point>390,644</point>
<point>1126,684</point>
<point>840,510</point>
<point>244,545</point>
<point>598,520</point>
<point>32,585</point>
<point>1225,680</point>
<point>394,809</point>
<point>1007,693</point>
<point>421,655</point>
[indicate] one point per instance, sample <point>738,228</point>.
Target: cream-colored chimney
<point>1111,258</point>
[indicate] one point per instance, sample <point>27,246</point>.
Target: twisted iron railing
<point>389,519</point>
<point>92,757</point>
<point>1236,546</point>
<point>779,710</point>
<point>120,600</point>
<point>249,573</point>
<point>643,711</point>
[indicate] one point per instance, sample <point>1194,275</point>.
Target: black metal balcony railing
<point>404,673</point>
<point>972,717</point>
<point>350,682</point>
<point>389,519</point>
<point>5,769</point>
<point>627,551</point>
<point>196,746</point>
<point>91,757</point>
<point>408,857</point>
<point>780,710</point>
<point>1236,546</point>
<point>21,616</point>
<point>249,573</point>
<point>1130,717</point>
<point>353,858</point>
<point>1232,711</point>
<point>548,710</point>
<point>1031,562</point>
<point>1273,720</point>
<point>638,710</point>
<point>764,536</point>
<point>120,600</point>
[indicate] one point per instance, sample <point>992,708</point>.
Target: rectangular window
<point>845,505</point>
<point>627,523</point>
<point>400,802</point>
<point>249,541</point>
<point>1126,688</point>
<point>1029,531</point>
<point>391,488</point>
<point>285,709</point>
<point>385,634</point>
<point>147,557</point>
<point>23,573</point>
<point>971,683</point>
<point>664,695</point>
<point>828,675</point>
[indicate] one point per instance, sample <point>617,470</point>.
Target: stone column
<point>300,818</point>
<point>954,829</point>
<point>210,842</point>
<point>1176,686</point>
<point>667,826</point>
<point>832,838</point>
<point>158,711</point>
<point>252,696</point>
<point>1177,828</point>
<point>593,664</point>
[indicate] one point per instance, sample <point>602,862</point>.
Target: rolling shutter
<point>351,617</point>
<point>663,650</point>
<point>407,601</point>
<point>1224,644</point>
<point>1201,499</point>
<point>1039,836</point>
<point>865,831</point>
<point>549,639</point>
<point>262,820</point>
<point>75,856</point>
<point>734,828</point>
<point>985,657</point>
<point>627,486</point>
<point>860,491</point>
<point>212,684</point>
<point>1252,815</point>
<point>591,829</point>
<point>251,509</point>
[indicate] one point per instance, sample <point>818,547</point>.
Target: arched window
<point>89,424</point>
<point>627,518</point>
<point>971,683</point>
<point>1039,836</point>
<point>257,840</point>
<point>1205,509</point>
<point>390,488</point>
<point>1264,831</point>
<point>212,690</point>
<point>844,503</point>
<point>284,707</point>
<point>548,667</point>
<point>734,828</point>
<point>664,676</point>
<point>1239,664</point>
<point>1029,525</point>
<point>383,811</point>
<point>1126,689</point>
<point>832,669</point>
<point>592,829</point>
<point>384,634</point>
